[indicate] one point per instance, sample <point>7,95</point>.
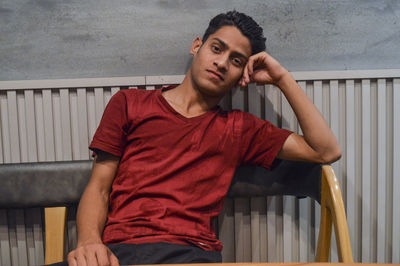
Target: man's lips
<point>217,74</point>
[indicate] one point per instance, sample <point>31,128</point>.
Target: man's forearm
<point>91,216</point>
<point>316,131</point>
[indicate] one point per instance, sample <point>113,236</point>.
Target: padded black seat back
<point>288,178</point>
<point>44,184</point>
<point>50,184</point>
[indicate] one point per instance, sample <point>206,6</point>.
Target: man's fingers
<point>92,254</point>
<point>81,260</point>
<point>106,257</point>
<point>102,256</point>
<point>250,66</point>
<point>240,82</point>
<point>71,261</point>
<point>114,261</point>
<point>245,75</point>
<point>254,62</point>
<point>91,259</point>
<point>249,69</point>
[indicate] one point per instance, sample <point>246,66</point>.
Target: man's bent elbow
<point>332,156</point>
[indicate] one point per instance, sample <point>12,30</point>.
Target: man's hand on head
<point>262,69</point>
<point>93,254</point>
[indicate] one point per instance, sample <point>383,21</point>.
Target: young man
<point>165,158</point>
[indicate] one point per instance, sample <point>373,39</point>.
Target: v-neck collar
<point>179,115</point>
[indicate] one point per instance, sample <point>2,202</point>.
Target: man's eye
<point>237,61</point>
<point>215,48</point>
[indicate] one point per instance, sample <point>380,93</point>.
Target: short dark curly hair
<point>247,26</point>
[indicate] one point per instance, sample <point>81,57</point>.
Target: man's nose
<point>222,62</point>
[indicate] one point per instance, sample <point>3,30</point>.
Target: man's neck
<point>188,100</point>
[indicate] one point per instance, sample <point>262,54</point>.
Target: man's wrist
<point>284,80</point>
<point>89,241</point>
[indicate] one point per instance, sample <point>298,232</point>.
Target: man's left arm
<point>318,144</point>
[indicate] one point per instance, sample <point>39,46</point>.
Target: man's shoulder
<point>136,91</point>
<point>134,94</point>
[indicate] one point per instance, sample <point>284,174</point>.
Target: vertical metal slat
<point>31,125</point>
<point>21,241</point>
<point>13,126</point>
<point>396,172</point>
<point>22,128</point>
<point>4,239</point>
<point>238,98</point>
<point>226,227</point>
<point>258,228</point>
<point>381,157</point>
<point>48,125</point>
<point>12,233</point>
<point>91,114</point>
<point>366,171</point>
<point>242,230</point>
<point>40,137</point>
<point>83,124</point>
<point>76,149</point>
<point>65,124</point>
<point>271,229</point>
<point>5,133</point>
<point>99,101</point>
<point>57,120</point>
<point>254,100</point>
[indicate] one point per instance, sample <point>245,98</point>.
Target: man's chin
<point>212,88</point>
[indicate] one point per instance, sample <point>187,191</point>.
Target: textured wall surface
<point>41,39</point>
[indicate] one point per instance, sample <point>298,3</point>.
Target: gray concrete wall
<point>47,39</point>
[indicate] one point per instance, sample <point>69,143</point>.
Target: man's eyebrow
<point>224,45</point>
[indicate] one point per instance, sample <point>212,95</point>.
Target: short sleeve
<point>111,134</point>
<point>261,141</point>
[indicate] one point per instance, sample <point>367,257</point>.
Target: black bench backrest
<point>44,184</point>
<point>48,184</point>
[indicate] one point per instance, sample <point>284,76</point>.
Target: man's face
<point>218,63</point>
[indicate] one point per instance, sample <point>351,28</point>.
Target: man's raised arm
<point>318,143</point>
<point>92,215</point>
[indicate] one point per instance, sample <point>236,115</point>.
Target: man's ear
<point>196,46</point>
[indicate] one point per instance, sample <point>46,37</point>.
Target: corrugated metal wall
<point>54,120</point>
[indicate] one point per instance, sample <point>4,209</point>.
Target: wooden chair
<point>58,185</point>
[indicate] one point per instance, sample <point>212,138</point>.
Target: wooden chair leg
<point>55,219</point>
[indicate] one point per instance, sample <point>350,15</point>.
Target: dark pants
<point>160,253</point>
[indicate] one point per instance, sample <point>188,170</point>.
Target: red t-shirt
<point>175,171</point>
